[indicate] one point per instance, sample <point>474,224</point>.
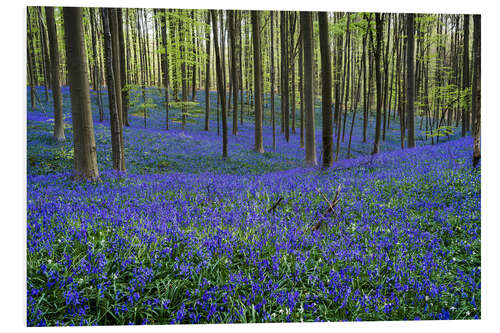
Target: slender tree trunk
<point>291,66</point>
<point>123,69</point>
<point>45,55</point>
<point>307,43</point>
<point>164,59</point>
<point>85,158</point>
<point>220,85</point>
<point>257,74</point>
<point>410,77</point>
<point>345,85</point>
<point>272,80</point>
<point>234,68</point>
<point>465,80</point>
<point>326,85</point>
<point>207,75</point>
<point>379,24</point>
<point>301,93</point>
<point>54,69</point>
<point>476,89</point>
<point>116,61</point>
<point>284,76</point>
<point>113,93</point>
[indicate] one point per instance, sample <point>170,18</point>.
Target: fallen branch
<point>331,206</point>
<point>275,205</point>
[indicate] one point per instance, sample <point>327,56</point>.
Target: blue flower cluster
<point>184,237</point>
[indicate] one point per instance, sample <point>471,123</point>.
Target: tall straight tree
<point>378,24</point>
<point>465,75</point>
<point>54,74</point>
<point>207,75</point>
<point>117,151</point>
<point>84,158</point>
<point>410,79</point>
<point>115,47</point>
<point>123,68</point>
<point>307,44</point>
<point>164,60</point>
<point>476,90</point>
<point>326,86</point>
<point>273,118</point>
<point>257,75</point>
<point>220,83</point>
<point>234,68</point>
<point>285,121</point>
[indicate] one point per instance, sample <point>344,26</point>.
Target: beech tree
<point>307,44</point>
<point>117,150</point>
<point>326,84</point>
<point>84,156</point>
<point>54,74</point>
<point>379,25</point>
<point>220,83</point>
<point>476,90</point>
<point>410,79</point>
<point>257,74</point>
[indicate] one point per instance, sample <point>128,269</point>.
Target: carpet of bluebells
<point>185,237</point>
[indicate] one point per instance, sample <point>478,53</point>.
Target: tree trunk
<point>257,75</point>
<point>114,112</point>
<point>410,77</point>
<point>273,119</point>
<point>326,85</point>
<point>379,24</point>
<point>307,44</point>
<point>220,85</point>
<point>284,76</point>
<point>54,69</point>
<point>207,76</point>
<point>123,69</point>
<point>476,90</point>
<point>164,60</point>
<point>234,68</point>
<point>85,158</point>
<point>465,75</point>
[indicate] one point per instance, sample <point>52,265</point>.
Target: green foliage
<point>440,131</point>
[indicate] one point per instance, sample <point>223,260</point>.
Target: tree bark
<point>476,90</point>
<point>326,85</point>
<point>379,25</point>
<point>84,158</point>
<point>465,75</point>
<point>207,76</point>
<point>164,60</point>
<point>113,93</point>
<point>123,69</point>
<point>257,75</point>
<point>54,69</point>
<point>220,84</point>
<point>307,44</point>
<point>410,77</point>
<point>234,68</point>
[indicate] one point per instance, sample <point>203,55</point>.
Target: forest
<point>238,166</point>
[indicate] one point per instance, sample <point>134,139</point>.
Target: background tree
<point>54,74</point>
<point>220,84</point>
<point>410,77</point>
<point>84,158</point>
<point>476,90</point>
<point>326,84</point>
<point>165,63</point>
<point>257,74</point>
<point>307,41</point>
<point>379,25</point>
<point>117,151</point>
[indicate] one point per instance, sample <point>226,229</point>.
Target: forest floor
<point>185,237</point>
